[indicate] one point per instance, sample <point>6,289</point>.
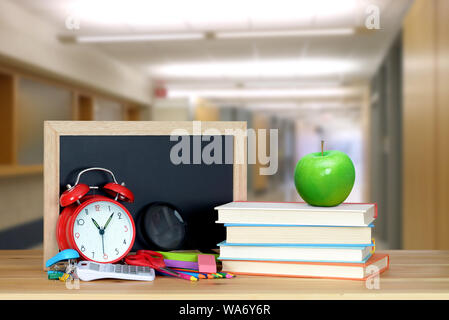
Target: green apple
<point>324,178</point>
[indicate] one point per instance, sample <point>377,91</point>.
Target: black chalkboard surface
<point>143,163</point>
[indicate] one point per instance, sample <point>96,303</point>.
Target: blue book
<point>295,252</point>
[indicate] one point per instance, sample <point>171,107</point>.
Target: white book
<point>324,253</point>
<point>375,265</point>
<point>291,234</point>
<point>296,213</point>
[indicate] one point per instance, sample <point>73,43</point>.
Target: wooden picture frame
<point>53,130</point>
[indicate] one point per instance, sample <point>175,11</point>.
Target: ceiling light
<point>253,84</point>
<point>296,105</point>
<point>266,93</point>
<point>212,15</point>
<point>140,37</point>
<point>285,33</point>
<point>255,69</point>
<point>208,35</point>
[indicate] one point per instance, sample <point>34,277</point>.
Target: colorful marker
<point>192,274</point>
<point>195,272</point>
<point>227,275</point>
<point>178,275</point>
<point>203,275</point>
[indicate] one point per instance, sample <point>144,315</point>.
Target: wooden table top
<point>412,275</point>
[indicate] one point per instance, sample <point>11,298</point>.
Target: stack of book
<point>299,240</point>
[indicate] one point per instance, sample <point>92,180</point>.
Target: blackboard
<point>143,163</point>
<point>138,152</point>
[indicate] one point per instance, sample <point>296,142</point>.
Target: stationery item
<point>65,277</point>
<point>295,252</point>
<point>226,275</point>
<point>296,213</point>
<point>62,266</point>
<point>377,264</point>
<point>161,225</point>
<point>206,263</point>
<point>209,275</point>
<point>188,255</point>
<point>148,258</point>
<point>292,234</point>
<point>55,275</point>
<point>100,228</point>
<point>181,264</point>
<point>193,274</point>
<point>206,275</point>
<point>54,272</point>
<point>87,271</point>
<point>64,255</point>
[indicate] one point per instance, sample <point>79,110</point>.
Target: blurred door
<point>386,146</point>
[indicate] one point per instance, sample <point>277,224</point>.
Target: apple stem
<point>322,148</point>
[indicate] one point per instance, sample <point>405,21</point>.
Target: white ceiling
<point>339,60</point>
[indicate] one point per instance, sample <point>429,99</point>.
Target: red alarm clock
<point>100,228</point>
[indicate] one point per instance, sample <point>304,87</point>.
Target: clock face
<point>103,231</point>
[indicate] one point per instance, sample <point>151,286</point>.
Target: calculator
<point>88,270</point>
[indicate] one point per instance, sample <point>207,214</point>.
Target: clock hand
<point>107,222</point>
<point>96,224</point>
<point>101,233</point>
<point>102,240</point>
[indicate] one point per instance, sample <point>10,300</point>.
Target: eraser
<point>206,263</point>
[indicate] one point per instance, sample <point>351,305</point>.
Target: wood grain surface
<point>412,275</point>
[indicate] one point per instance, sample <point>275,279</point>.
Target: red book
<point>375,265</point>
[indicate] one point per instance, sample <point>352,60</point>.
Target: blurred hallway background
<point>366,76</point>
